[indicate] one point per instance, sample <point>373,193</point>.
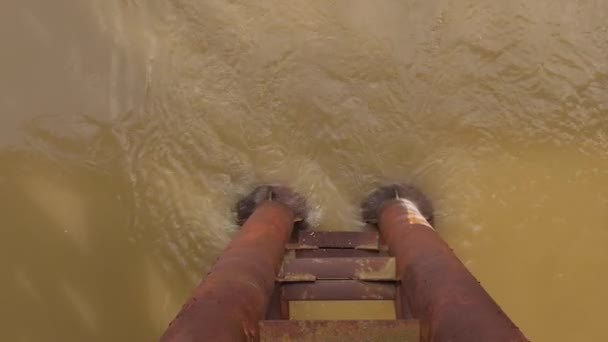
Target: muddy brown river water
<point>129,128</point>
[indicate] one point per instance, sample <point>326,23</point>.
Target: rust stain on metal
<point>362,240</point>
<point>233,298</point>
<point>299,246</point>
<point>339,290</point>
<point>374,272</point>
<point>378,268</point>
<point>328,331</point>
<point>370,247</point>
<point>440,291</point>
<point>339,253</point>
<point>296,277</point>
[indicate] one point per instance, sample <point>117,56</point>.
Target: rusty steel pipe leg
<point>440,291</point>
<point>233,298</point>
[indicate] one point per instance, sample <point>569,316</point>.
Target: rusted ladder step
<point>338,290</point>
<point>311,269</point>
<point>369,240</point>
<point>339,253</point>
<point>338,331</point>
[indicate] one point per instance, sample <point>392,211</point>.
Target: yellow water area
<point>129,128</point>
<point>342,310</point>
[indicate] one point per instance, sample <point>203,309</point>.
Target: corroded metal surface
<point>275,306</point>
<point>233,298</point>
<point>338,331</point>
<point>339,253</point>
<point>310,269</point>
<point>439,289</point>
<point>368,240</point>
<point>338,290</point>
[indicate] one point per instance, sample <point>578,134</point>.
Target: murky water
<point>129,128</point>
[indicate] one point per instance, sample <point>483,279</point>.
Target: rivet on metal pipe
<point>233,297</point>
<point>435,285</point>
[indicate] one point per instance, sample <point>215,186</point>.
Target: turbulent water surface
<point>129,128</point>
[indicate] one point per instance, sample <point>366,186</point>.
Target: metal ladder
<point>337,266</point>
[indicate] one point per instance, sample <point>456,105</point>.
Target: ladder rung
<point>371,269</point>
<point>385,331</point>
<point>339,253</point>
<point>339,290</point>
<point>368,240</point>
